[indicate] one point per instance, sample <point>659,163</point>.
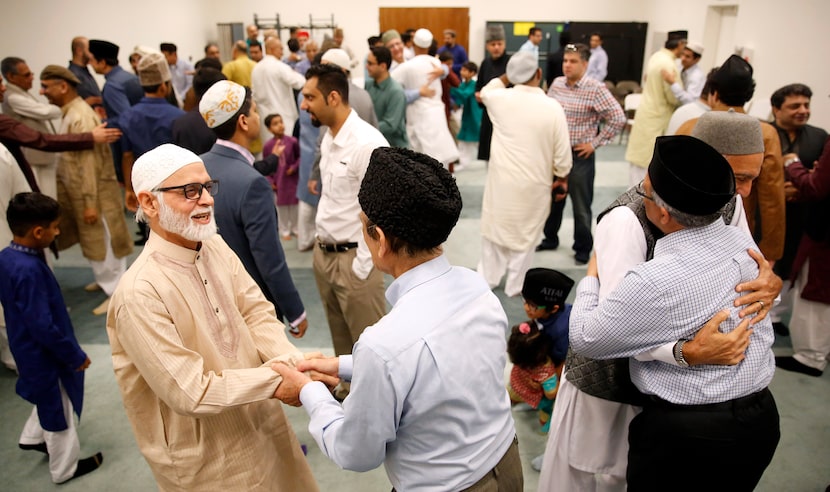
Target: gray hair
<point>139,213</point>
<point>686,220</point>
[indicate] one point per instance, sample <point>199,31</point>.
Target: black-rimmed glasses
<point>193,191</point>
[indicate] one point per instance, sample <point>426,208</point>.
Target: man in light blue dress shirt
<point>534,38</point>
<point>427,393</point>
<point>723,411</point>
<point>598,63</point>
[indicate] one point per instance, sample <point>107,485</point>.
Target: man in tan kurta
<point>656,106</point>
<point>92,209</point>
<point>531,152</point>
<point>192,338</point>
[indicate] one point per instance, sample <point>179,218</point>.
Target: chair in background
<point>611,86</point>
<point>630,105</point>
<point>624,88</point>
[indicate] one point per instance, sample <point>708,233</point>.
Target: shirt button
<point>197,257</point>
<point>217,310</point>
<point>205,282</point>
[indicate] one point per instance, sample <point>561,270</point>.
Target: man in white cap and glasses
<point>191,334</point>
<point>530,155</point>
<point>426,121</point>
<point>692,78</point>
<point>149,123</point>
<point>245,214</point>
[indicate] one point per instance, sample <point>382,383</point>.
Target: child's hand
<point>83,367</point>
<point>290,171</point>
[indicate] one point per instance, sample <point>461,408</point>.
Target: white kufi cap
<point>221,102</point>
<point>154,166</point>
<point>521,67</point>
<point>422,38</point>
<point>336,56</point>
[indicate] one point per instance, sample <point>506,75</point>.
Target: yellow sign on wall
<point>522,28</point>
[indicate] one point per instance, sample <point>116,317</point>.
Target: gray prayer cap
<point>521,67</point>
<point>494,33</point>
<point>730,133</point>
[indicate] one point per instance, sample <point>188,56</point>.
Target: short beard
<point>181,224</point>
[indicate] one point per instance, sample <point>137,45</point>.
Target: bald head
<point>273,46</point>
<point>80,50</point>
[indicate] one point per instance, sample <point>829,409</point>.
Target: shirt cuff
<point>313,394</point>
<point>344,370</point>
<point>296,322</point>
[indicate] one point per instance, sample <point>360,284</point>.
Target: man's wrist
<point>790,161</point>
<point>678,353</point>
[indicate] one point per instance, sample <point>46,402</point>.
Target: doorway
<point>434,19</point>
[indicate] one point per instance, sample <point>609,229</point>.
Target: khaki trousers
<point>351,304</point>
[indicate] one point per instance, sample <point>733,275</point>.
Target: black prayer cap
<point>690,175</point>
<point>410,196</point>
<point>735,75</point>
<point>546,287</point>
<point>678,35</point>
<point>103,49</point>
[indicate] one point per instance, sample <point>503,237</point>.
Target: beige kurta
<point>655,110</point>
<point>86,179</point>
<point>190,332</point>
<point>530,146</point>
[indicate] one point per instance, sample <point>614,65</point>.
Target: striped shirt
<point>586,104</point>
<point>692,276</point>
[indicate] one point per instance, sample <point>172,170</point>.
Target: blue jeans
<point>581,193</point>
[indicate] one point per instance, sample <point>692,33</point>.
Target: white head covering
<point>144,50</point>
<point>154,166</point>
<point>422,38</point>
<point>521,67</point>
<point>695,47</point>
<point>221,101</point>
<point>153,69</point>
<point>337,57</point>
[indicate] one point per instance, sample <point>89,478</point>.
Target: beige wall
<point>40,30</point>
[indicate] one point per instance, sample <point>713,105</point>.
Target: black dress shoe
<point>544,246</point>
<point>791,364</point>
<point>140,242</point>
<point>780,329</point>
<point>582,259</point>
<point>34,447</point>
<point>87,465</point>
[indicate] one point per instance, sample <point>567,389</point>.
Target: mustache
<point>202,210</point>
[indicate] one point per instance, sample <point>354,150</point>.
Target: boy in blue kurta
<point>49,359</point>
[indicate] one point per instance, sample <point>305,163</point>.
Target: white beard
<point>182,225</point>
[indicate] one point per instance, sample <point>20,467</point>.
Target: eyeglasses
<point>533,305</point>
<point>571,47</point>
<point>642,192</point>
<point>193,191</point>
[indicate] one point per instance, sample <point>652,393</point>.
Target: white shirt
<point>685,113</point>
<point>272,82</point>
<point>529,46</point>
<point>343,162</point>
<point>427,397</point>
<point>12,182</point>
<point>690,85</point>
<point>181,76</point>
<point>531,144</point>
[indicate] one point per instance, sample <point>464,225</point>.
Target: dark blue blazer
<point>247,220</point>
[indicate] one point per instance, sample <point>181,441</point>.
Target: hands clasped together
<point>315,367</point>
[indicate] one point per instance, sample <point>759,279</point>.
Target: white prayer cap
<point>695,47</point>
<point>336,56</point>
<point>154,166</point>
<point>422,38</point>
<point>153,69</point>
<point>221,102</point>
<point>144,50</point>
<point>521,67</point>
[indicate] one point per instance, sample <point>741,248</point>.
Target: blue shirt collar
<point>419,275</point>
<point>25,249</point>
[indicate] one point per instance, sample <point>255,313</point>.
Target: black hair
<point>226,130</point>
<point>9,65</point>
<point>330,78</point>
<point>528,350</point>
<point>372,40</point>
<point>293,45</point>
<point>533,31</point>
<point>382,55</point>
<point>778,97</point>
<point>270,118</point>
<point>597,34</point>
<point>406,37</point>
<point>445,56</point>
<point>168,47</point>
<point>150,89</point>
<point>204,78</point>
<point>471,66</point>
<point>255,43</point>
<point>208,63</point>
<point>29,210</point>
<point>673,43</point>
<point>207,46</point>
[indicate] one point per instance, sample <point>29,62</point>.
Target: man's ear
<point>37,232</point>
<point>147,201</point>
<point>335,99</point>
<point>383,243</point>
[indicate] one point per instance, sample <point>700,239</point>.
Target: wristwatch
<point>790,161</point>
<point>678,353</point>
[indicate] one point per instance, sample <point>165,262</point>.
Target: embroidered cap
<point>153,69</point>
<point>546,287</point>
<point>521,67</point>
<point>154,166</point>
<point>221,102</point>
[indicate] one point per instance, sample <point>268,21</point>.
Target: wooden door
<point>434,19</point>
